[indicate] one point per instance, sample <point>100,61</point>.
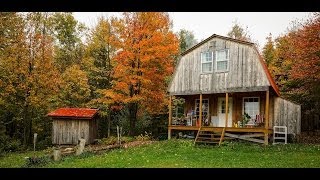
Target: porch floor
<point>220,129</point>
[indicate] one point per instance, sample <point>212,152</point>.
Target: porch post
<point>200,110</point>
<point>227,103</point>
<point>266,125</point>
<point>170,117</point>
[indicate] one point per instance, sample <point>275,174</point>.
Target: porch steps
<point>205,136</point>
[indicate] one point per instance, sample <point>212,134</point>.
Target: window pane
<point>251,106</point>
<point>206,57</point>
<point>209,57</point>
<point>206,67</point>
<point>222,65</point>
<point>227,54</point>
<point>202,57</point>
<point>220,55</point>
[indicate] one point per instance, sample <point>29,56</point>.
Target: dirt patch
<point>309,137</point>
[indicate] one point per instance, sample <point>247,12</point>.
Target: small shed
<point>71,124</point>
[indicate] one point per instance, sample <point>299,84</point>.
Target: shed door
<point>222,111</point>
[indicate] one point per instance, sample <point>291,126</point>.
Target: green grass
<point>17,160</point>
<point>182,153</point>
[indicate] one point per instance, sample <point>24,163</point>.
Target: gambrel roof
<point>247,71</point>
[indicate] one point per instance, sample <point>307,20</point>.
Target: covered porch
<point>224,113</point>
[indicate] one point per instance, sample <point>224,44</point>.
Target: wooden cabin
<point>228,78</point>
<point>71,124</point>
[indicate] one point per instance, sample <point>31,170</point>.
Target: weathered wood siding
<point>287,114</point>
<point>245,71</point>
<point>68,131</point>
<point>93,129</point>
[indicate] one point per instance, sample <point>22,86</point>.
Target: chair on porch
<point>259,121</point>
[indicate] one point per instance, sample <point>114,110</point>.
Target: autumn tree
<point>145,59</point>
<point>296,69</point>
<point>305,70</point>
<point>75,90</point>
<point>98,64</point>
<point>27,91</point>
<point>13,53</point>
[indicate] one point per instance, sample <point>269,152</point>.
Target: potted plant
<point>245,119</point>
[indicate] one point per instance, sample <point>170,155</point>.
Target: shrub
<point>108,141</point>
<point>36,161</point>
<point>145,137</point>
<point>126,139</point>
<point>9,144</point>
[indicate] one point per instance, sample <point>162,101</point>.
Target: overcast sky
<point>204,24</point>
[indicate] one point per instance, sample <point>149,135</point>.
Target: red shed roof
<point>74,113</point>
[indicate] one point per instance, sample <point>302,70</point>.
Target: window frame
<point>201,60</point>
<point>227,60</point>
<point>195,107</point>
<point>244,104</point>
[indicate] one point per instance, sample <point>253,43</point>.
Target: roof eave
<point>215,36</point>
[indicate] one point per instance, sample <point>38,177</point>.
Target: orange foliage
<point>306,42</point>
<point>147,50</point>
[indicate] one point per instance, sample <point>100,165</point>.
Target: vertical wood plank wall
<point>287,114</point>
<point>67,131</point>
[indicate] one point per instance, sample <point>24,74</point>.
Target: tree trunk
<point>109,122</point>
<point>25,125</point>
<point>133,109</point>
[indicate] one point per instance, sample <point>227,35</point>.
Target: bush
<point>127,139</point>
<point>44,144</point>
<point>108,141</point>
<point>36,161</point>
<point>8,144</point>
<point>113,140</point>
<point>145,137</point>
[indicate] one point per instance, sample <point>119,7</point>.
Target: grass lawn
<point>183,154</point>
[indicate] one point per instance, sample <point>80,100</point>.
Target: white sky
<point>204,24</point>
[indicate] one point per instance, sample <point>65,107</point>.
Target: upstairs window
<point>222,60</point>
<point>206,62</point>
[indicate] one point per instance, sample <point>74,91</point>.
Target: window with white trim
<point>206,62</point>
<point>222,60</point>
<point>205,108</point>
<point>251,106</point>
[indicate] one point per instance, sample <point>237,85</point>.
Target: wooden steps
<point>205,136</point>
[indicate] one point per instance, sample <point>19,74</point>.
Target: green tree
<point>269,51</point>
<point>99,65</point>
<point>186,39</point>
<point>67,32</point>
<point>239,32</point>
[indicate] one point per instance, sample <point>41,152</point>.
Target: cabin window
<point>222,60</point>
<point>206,62</point>
<point>251,106</point>
<point>205,108</point>
<point>223,107</point>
